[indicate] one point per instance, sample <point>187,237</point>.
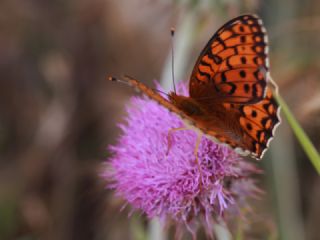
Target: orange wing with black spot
<point>259,122</point>
<point>233,71</point>
<point>233,67</point>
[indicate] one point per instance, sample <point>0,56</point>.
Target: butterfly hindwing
<point>233,66</point>
<point>259,122</point>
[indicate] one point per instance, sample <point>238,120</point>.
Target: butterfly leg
<point>196,150</point>
<point>169,137</point>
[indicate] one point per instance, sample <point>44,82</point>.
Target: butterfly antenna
<point>116,79</point>
<point>172,58</point>
<point>128,81</point>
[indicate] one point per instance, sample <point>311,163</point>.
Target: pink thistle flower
<point>171,185</point>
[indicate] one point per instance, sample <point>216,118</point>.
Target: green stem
<point>302,137</point>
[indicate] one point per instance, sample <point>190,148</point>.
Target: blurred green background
<point>58,113</point>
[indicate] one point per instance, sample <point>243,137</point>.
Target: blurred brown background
<point>58,113</point>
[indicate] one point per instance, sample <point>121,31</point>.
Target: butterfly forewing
<point>233,67</point>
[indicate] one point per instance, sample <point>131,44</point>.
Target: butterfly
<point>230,89</point>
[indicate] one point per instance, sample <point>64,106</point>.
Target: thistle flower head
<point>170,184</point>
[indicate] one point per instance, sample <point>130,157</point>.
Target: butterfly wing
<point>248,128</point>
<point>233,71</point>
<point>233,67</point>
<point>258,123</point>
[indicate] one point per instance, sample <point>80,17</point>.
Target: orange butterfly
<point>230,89</point>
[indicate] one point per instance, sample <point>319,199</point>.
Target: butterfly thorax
<point>186,104</point>
<point>196,107</point>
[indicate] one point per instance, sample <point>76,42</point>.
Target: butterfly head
<point>173,97</point>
